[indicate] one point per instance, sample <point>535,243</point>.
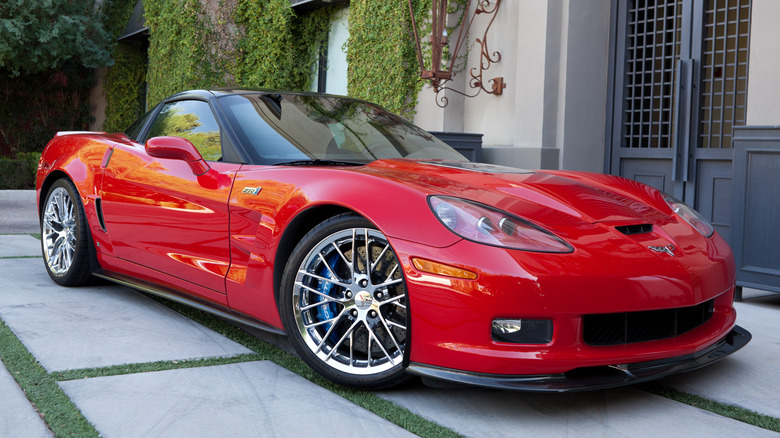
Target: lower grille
<point>630,327</point>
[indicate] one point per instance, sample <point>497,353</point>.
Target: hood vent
<point>635,229</point>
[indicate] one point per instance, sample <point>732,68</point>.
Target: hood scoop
<point>635,229</point>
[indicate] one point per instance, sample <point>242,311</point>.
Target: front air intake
<point>631,327</point>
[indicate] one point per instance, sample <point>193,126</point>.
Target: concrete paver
<point>750,378</point>
<point>17,416</point>
<point>72,328</point>
<point>622,412</point>
<point>22,245</point>
<point>258,399</point>
<point>18,212</point>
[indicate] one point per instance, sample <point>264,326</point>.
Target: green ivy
<point>266,49</point>
<point>267,44</point>
<point>381,54</point>
<point>177,57</point>
<point>279,47</point>
<point>124,87</point>
<point>124,80</point>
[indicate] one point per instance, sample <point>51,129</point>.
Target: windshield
<point>279,128</point>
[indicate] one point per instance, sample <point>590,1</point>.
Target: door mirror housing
<point>177,148</point>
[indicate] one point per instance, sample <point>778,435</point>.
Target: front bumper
<point>592,378</point>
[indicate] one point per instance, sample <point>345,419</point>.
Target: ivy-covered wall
<point>277,48</point>
<point>124,80</point>
<point>382,60</point>
<point>178,47</point>
<point>267,44</point>
<point>124,87</point>
<point>246,43</point>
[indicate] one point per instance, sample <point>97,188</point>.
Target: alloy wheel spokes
<point>387,328</point>
<point>390,358</point>
<point>326,297</point>
<point>341,340</point>
<point>348,301</point>
<point>59,231</point>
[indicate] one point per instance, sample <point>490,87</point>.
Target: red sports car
<point>381,252</point>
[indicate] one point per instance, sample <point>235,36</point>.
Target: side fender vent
<point>99,211</point>
<point>635,229</point>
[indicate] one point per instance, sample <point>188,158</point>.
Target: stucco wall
<point>581,122</point>
<point>763,84</point>
<point>554,62</point>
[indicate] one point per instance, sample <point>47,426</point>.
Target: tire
<point>64,238</point>
<point>348,323</point>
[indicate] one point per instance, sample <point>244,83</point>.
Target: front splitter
<point>593,378</point>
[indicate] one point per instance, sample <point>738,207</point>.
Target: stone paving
<point>18,213</point>
<point>17,416</point>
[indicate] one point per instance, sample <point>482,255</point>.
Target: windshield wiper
<point>317,162</point>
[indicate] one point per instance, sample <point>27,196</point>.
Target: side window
<point>193,120</point>
<point>134,131</point>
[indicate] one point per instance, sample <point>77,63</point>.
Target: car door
<point>163,216</point>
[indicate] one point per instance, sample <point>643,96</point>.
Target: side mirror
<point>177,148</point>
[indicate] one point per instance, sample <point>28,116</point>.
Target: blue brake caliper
<point>328,311</point>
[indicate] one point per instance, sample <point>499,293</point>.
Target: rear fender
<point>78,157</point>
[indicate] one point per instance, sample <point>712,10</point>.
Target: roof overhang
<point>136,28</point>
<point>313,4</point>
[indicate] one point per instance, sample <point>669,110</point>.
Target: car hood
<point>548,198</point>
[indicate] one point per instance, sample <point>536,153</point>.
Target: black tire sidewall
<point>333,225</point>
<point>79,272</point>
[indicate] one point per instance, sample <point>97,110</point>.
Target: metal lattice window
<point>652,50</point>
<point>724,71</point>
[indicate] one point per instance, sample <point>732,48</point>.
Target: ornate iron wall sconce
<point>438,74</point>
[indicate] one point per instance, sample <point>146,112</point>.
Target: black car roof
<point>218,92</point>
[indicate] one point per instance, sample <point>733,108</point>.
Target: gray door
<point>679,87</point>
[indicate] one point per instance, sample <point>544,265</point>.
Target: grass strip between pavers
<point>20,257</point>
<point>722,409</point>
<point>384,408</point>
<point>40,388</point>
<point>148,367</point>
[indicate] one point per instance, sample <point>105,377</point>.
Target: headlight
<point>690,215</point>
<point>482,224</point>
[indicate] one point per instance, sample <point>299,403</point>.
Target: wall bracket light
<point>440,73</point>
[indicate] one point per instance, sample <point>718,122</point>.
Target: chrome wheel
<point>347,304</point>
<point>59,231</point>
<point>64,235</point>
